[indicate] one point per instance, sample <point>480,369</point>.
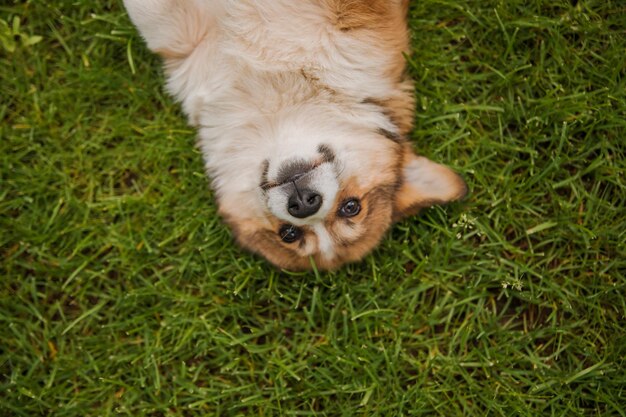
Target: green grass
<point>122,293</point>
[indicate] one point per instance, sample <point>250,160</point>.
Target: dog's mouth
<point>292,171</point>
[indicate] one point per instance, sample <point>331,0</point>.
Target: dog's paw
<point>171,28</point>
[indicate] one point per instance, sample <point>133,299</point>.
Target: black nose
<point>304,203</point>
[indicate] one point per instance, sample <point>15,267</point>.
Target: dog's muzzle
<point>302,191</point>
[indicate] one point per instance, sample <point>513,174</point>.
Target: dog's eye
<point>290,233</point>
<point>350,208</point>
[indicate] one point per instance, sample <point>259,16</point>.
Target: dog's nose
<point>303,203</point>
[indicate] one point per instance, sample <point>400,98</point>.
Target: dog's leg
<point>355,14</point>
<point>173,28</point>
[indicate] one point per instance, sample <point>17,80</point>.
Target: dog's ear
<point>425,183</point>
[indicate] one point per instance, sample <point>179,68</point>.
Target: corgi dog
<point>302,110</point>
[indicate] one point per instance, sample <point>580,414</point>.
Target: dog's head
<point>330,199</point>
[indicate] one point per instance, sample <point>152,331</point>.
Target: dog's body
<point>301,107</point>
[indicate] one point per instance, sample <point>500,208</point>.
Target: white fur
<point>324,241</point>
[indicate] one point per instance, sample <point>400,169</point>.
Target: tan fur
<point>357,236</point>
<point>355,14</point>
<point>380,23</point>
<point>384,22</point>
<point>399,107</point>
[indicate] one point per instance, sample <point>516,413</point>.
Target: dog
<point>302,110</point>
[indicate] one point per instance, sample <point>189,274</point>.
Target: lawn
<point>123,294</point>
